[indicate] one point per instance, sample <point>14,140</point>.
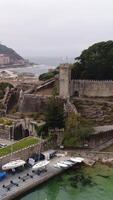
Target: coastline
<point>18,66</point>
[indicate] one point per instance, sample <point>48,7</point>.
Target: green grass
<point>5,121</point>
<point>19,145</point>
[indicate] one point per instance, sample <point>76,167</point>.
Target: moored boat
<point>67,162</point>
<point>40,165</point>
<point>61,165</point>
<point>77,159</point>
<point>13,165</point>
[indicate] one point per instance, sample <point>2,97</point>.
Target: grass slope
<point>19,145</point>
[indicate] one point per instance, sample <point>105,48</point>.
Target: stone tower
<point>64,80</point>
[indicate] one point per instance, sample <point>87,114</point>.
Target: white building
<point>4,59</point>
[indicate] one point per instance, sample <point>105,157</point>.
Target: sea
<point>37,70</point>
<point>42,65</point>
<point>86,183</point>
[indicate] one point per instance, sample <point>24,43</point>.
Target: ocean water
<point>87,183</point>
<point>36,69</point>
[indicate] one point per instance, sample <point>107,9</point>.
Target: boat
<point>2,175</point>
<point>61,165</point>
<point>13,164</point>
<point>77,159</point>
<point>40,165</point>
<point>67,162</point>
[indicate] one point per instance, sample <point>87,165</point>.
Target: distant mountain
<point>10,52</point>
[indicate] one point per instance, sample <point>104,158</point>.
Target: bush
<point>77,130</point>
<point>3,87</point>
<point>47,76</point>
<point>5,121</point>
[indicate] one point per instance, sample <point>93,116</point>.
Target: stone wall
<point>93,155</point>
<point>34,103</point>
<point>5,132</point>
<point>24,154</point>
<point>91,88</point>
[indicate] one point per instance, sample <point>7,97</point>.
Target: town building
<point>4,59</point>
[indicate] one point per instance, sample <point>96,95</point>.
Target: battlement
<point>92,81</point>
<point>89,88</point>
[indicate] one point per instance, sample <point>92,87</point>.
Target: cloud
<point>54,27</point>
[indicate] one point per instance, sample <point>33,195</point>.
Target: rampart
<point>91,88</point>
<point>88,88</point>
<point>34,103</point>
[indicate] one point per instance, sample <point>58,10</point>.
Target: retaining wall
<point>24,154</point>
<point>94,155</point>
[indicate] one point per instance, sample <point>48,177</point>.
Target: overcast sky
<point>54,27</point>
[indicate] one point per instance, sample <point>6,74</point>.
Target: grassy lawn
<point>19,145</point>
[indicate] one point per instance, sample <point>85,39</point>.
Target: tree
<point>96,62</point>
<point>48,75</point>
<point>55,113</point>
<point>3,86</point>
<point>77,130</point>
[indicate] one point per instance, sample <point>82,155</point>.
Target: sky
<point>54,27</point>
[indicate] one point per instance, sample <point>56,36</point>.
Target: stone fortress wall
<point>67,88</point>
<point>91,88</point>
<point>88,88</point>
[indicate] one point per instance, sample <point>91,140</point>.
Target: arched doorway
<point>76,94</point>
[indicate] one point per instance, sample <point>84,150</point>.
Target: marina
<point>88,183</point>
<point>23,181</point>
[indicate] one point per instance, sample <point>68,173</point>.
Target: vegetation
<point>10,52</point>
<point>77,130</point>
<point>96,62</point>
<point>5,121</point>
<point>48,75</point>
<point>3,87</point>
<point>55,113</point>
<point>42,130</point>
<point>19,145</point>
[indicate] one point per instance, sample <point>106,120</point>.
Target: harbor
<point>19,183</point>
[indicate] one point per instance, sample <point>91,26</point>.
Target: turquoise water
<point>83,184</point>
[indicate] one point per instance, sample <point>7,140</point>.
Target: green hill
<point>10,52</point>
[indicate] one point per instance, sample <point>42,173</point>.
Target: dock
<point>20,183</point>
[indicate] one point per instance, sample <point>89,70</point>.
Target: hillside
<point>10,52</point>
<point>98,112</point>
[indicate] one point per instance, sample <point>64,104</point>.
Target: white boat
<point>77,159</point>
<point>56,166</point>
<point>40,165</point>
<point>61,165</point>
<point>13,165</point>
<point>69,163</point>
